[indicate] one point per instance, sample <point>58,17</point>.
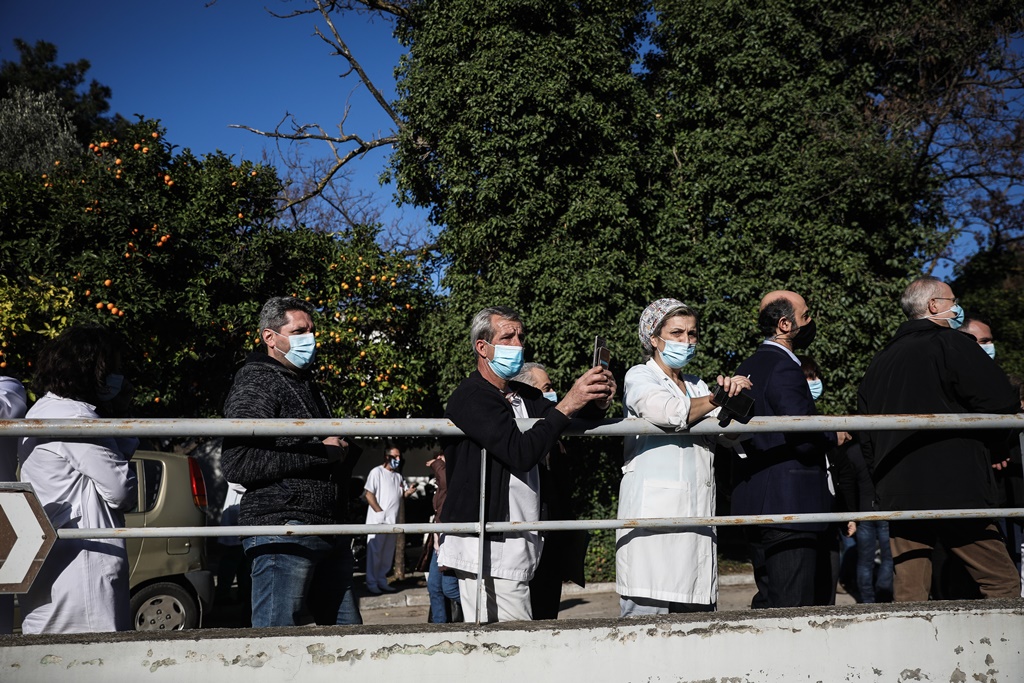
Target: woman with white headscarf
<point>671,475</point>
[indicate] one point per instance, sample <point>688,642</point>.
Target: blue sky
<point>201,68</point>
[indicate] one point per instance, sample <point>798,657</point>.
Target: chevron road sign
<point>25,537</point>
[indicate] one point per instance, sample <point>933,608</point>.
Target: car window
<point>153,475</point>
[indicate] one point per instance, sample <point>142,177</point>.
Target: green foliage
<point>743,157</point>
<point>991,286</point>
<point>780,181</point>
<point>37,70</point>
<point>178,254</point>
<point>525,126</point>
<point>599,564</point>
<point>34,130</point>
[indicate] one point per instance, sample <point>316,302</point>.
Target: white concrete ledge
<point>952,641</point>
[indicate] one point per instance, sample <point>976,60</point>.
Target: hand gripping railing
<point>428,427</point>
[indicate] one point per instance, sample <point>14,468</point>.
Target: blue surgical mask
<point>507,362</point>
<point>302,349</point>
<point>551,396</point>
<point>958,316</point>
<point>990,349</point>
<point>816,388</point>
<point>111,388</point>
<point>676,354</point>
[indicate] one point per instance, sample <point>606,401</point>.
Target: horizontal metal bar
<point>550,525</point>
<point>427,427</point>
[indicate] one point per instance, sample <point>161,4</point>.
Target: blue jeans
<point>870,587</point>
<point>299,580</point>
<point>440,586</point>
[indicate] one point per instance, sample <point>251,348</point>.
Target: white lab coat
<point>12,406</point>
<point>83,484</point>
<point>666,476</point>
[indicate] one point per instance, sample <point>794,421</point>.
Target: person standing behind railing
<point>13,404</point>
<point>485,407</point>
<point>928,367</point>
<point>565,552</point>
<point>1009,478</point>
<point>783,472</point>
<point>82,484</point>
<point>657,571</point>
<point>290,480</point>
<point>442,584</point>
<point>384,491</point>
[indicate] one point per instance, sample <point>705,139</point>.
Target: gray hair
<point>273,315</point>
<point>481,327</point>
<point>918,293</point>
<point>526,374</point>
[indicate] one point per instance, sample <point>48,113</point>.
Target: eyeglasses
<point>947,298</point>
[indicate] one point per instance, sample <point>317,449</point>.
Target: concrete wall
<point>955,642</point>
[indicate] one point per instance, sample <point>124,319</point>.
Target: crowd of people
<point>937,362</point>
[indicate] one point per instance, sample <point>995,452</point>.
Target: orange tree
<point>178,253</point>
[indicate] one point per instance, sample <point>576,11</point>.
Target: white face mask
<point>301,348</point>
<point>990,349</point>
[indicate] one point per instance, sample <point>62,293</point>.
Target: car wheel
<point>164,607</point>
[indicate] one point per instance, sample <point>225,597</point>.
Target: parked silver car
<point>171,586</point>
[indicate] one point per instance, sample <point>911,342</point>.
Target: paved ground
<point>596,601</point>
<point>410,604</point>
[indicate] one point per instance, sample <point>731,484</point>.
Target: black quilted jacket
<point>287,477</point>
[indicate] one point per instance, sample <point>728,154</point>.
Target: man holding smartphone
<point>485,407</point>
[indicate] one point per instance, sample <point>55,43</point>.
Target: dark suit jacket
<point>784,472</point>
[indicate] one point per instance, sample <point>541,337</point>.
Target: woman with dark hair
<point>82,484</point>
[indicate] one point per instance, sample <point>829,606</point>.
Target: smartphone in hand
<point>602,356</point>
<point>739,407</point>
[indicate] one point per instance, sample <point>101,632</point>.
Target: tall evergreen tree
<point>526,133</point>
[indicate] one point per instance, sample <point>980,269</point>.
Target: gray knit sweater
<point>287,477</point>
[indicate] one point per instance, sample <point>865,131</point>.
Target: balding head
<point>795,299</point>
<point>780,313</point>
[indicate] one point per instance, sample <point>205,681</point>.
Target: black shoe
<point>454,611</point>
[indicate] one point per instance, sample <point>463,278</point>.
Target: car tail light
<point>195,475</point>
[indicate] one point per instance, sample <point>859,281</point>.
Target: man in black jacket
<point>290,480</point>
<point>485,407</point>
<point>928,367</point>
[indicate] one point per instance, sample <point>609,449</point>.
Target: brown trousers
<point>977,542</point>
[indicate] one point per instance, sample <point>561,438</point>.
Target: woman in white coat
<point>83,484</point>
<point>672,475</point>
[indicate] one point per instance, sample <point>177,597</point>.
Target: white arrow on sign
<point>25,537</point>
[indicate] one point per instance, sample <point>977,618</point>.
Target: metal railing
<point>426,427</point>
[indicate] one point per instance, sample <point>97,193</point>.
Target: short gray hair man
<point>482,327</point>
<point>918,293</point>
